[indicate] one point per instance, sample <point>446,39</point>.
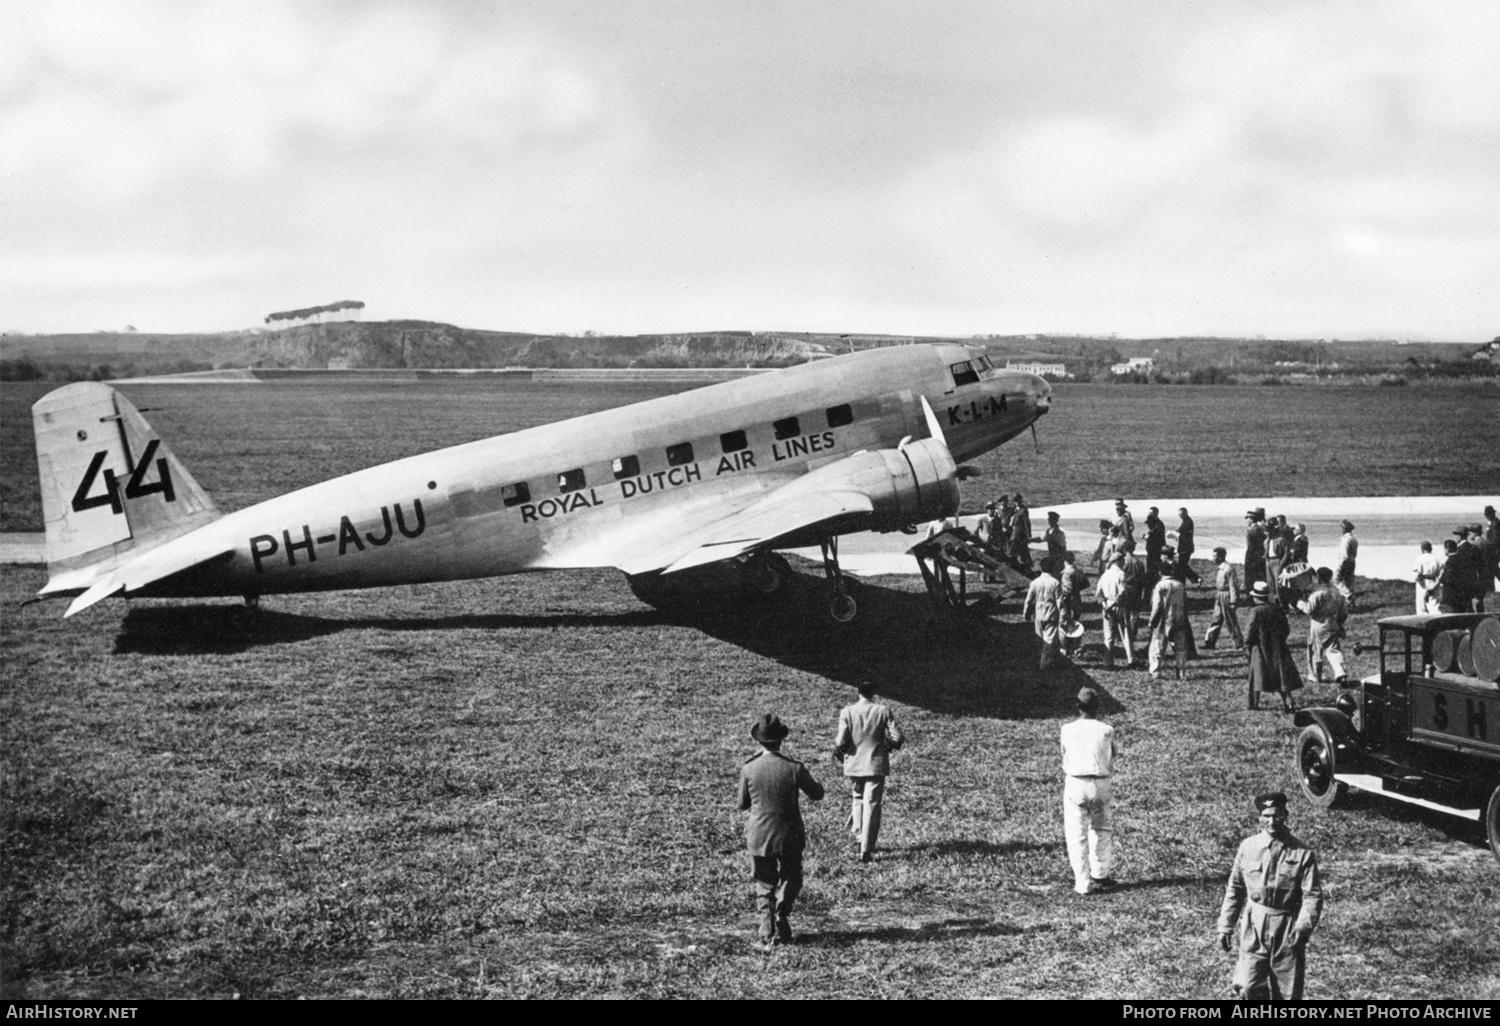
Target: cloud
<point>121,98</point>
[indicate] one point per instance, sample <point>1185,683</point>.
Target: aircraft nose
<point>1043,395</point>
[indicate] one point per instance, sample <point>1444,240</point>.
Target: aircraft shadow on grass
<point>960,663</point>
<point>225,630</point>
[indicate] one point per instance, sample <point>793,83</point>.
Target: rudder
<point>110,487</point>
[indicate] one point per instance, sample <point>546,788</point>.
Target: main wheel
<point>1492,821</point>
<point>769,573</point>
<point>1315,767</point>
<point>842,607</point>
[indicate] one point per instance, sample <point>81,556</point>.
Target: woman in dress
<point>1271,665</point>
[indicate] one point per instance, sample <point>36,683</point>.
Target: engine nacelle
<point>914,483</point>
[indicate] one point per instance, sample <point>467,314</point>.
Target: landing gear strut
<point>841,605</point>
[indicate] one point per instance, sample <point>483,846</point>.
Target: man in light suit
<point>867,735</point>
<point>774,834</point>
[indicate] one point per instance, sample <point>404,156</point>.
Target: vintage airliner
<point>728,472</point>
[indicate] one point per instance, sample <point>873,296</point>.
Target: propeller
<point>933,427</point>
<point>1034,440</point>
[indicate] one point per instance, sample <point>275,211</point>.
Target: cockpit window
<point>964,374</point>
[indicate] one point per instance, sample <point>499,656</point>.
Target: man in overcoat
<point>774,834</point>
<point>1255,547</point>
<point>1272,904</point>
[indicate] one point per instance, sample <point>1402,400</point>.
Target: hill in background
<point>341,345</point>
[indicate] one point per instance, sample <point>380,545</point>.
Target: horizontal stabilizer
<point>147,569</point>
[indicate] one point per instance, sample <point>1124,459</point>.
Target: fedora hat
<point>1259,592</point>
<point>769,728</point>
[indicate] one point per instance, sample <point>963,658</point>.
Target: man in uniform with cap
<point>1273,900</point>
<point>1088,759</point>
<point>1226,597</point>
<point>774,834</point>
<point>1343,577</point>
<point>866,736</point>
<point>1255,547</point>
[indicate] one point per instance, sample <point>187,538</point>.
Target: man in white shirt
<point>1427,570</point>
<point>1088,758</point>
<point>1343,578</point>
<point>1113,603</point>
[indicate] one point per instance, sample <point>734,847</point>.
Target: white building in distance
<point>1056,370</point>
<point>1135,365</point>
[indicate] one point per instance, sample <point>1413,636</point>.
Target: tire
<point>1492,821</point>
<point>842,608</point>
<point>1315,766</point>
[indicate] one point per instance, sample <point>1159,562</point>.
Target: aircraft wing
<point>776,516</point>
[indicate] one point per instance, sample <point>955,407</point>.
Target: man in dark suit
<point>1185,547</point>
<point>774,835</point>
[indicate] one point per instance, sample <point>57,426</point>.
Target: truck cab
<point>1424,730</point>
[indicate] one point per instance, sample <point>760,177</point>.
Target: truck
<point>1424,730</point>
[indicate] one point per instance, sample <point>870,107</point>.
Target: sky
<point>934,167</point>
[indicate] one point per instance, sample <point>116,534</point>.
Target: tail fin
<point>110,489</point>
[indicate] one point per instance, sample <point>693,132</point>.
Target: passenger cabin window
<point>734,441</point>
<point>626,466</point>
<point>838,416</point>
<point>963,374</point>
<point>786,427</point>
<point>515,494</point>
<point>680,453</point>
<point>570,480</point>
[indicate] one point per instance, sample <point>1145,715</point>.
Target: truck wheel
<point>1492,821</point>
<point>1315,767</point>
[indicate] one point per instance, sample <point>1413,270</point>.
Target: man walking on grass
<point>1273,901</point>
<point>866,736</point>
<point>774,834</point>
<point>1088,759</point>
<point>1226,597</point>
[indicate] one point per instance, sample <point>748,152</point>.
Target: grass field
<point>524,787</point>
<point>246,443</point>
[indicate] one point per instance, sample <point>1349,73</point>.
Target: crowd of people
<point>1459,580</point>
<point>1276,578</point>
<point>1273,897</point>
